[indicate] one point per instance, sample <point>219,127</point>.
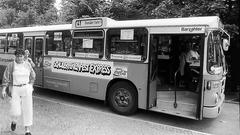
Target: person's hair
<point>27,52</point>
<point>19,52</point>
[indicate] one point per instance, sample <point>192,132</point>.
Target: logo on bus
<point>191,29</point>
<point>120,72</point>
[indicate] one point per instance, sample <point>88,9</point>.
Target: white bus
<point>132,64</point>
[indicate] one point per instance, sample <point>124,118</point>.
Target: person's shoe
<point>13,126</point>
<point>28,133</point>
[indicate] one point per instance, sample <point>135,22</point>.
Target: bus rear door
<point>35,46</point>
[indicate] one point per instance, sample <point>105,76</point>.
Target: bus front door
<point>174,93</point>
<point>152,74</point>
<point>35,47</point>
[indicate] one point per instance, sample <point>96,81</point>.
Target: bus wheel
<point>122,98</point>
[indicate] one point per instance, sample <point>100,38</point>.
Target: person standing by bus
<point>28,59</point>
<point>19,76</point>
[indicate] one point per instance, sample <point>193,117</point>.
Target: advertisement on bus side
<point>88,68</point>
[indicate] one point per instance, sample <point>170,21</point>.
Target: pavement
<point>232,97</point>
<point>54,118</point>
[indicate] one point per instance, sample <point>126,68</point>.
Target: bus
<point>130,64</point>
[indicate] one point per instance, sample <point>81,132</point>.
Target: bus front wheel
<point>122,98</point>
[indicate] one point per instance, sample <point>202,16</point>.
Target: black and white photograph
<point>119,67</point>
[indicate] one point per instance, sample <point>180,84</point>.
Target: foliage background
<point>19,13</point>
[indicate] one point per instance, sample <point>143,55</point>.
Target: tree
<point>125,10</point>
<point>72,9</point>
<point>16,13</point>
<point>7,17</point>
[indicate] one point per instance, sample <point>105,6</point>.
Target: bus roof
<point>37,28</point>
<point>210,21</point>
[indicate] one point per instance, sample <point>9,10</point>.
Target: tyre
<point>123,98</point>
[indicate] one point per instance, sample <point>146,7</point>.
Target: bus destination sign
<point>88,23</point>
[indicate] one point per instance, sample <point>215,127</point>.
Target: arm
<point>7,75</point>
<point>32,76</point>
<point>6,79</point>
<point>181,64</point>
<point>31,62</point>
<point>188,57</point>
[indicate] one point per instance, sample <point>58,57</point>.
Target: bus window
<point>14,42</point>
<point>28,43</point>
<point>127,44</point>
<point>88,44</point>
<point>38,52</point>
<point>2,43</point>
<point>58,43</point>
<point>215,56</point>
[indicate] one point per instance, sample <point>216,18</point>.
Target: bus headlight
<point>213,84</point>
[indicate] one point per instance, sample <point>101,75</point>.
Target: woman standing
<point>19,76</point>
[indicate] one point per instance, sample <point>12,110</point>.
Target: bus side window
<point>67,44</point>
<point>88,44</point>
<point>58,43</point>
<point>2,43</point>
<point>127,44</point>
<point>14,42</point>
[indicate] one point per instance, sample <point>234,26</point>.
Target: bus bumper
<point>213,112</point>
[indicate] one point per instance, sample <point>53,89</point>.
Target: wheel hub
<point>122,98</point>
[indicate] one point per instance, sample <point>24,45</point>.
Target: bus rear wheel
<point>122,98</point>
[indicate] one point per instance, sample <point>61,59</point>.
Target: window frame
<point>136,38</point>
<point>66,52</point>
<point>214,48</point>
<point>19,43</point>
<point>88,55</point>
<point>3,37</point>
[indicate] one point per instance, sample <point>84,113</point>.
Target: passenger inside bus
<point>192,55</point>
<point>178,62</point>
<point>188,65</point>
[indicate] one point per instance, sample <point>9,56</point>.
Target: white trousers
<point>22,103</point>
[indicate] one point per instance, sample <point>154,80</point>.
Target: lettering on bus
<point>83,67</point>
<point>88,23</point>
<point>6,60</point>
<point>191,29</point>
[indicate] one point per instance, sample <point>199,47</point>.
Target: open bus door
<point>152,74</point>
<point>172,94</point>
<point>35,46</point>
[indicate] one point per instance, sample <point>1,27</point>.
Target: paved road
<point>58,114</point>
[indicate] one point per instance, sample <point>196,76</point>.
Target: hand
<point>4,93</point>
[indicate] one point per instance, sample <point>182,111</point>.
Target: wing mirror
<point>226,44</point>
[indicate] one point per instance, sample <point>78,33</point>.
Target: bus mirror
<point>225,44</point>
